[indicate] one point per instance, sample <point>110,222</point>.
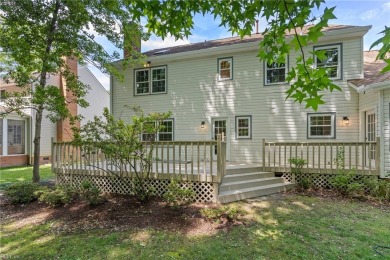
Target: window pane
<point>225,64</point>
<point>243,122</point>
<point>16,137</point>
<point>276,75</point>
<point>142,88</point>
<point>243,132</point>
<point>142,76</point>
<point>158,86</point>
<point>158,74</point>
<point>225,74</point>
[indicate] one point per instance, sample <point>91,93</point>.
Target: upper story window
<point>275,72</point>
<point>150,80</point>
<point>243,127</point>
<point>225,68</point>
<point>329,58</point>
<point>164,134</point>
<point>321,125</point>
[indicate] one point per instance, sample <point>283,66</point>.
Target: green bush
<point>216,214</point>
<point>90,193</point>
<point>346,184</point>
<point>59,196</point>
<point>296,169</point>
<point>176,196</point>
<point>379,189</point>
<point>23,192</point>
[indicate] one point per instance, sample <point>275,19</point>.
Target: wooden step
<point>230,186</point>
<point>241,194</point>
<point>247,176</point>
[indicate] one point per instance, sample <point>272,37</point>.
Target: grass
<point>24,173</point>
<point>293,227</point>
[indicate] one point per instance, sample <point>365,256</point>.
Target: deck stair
<point>249,182</point>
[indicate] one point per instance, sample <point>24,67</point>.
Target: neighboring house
<point>220,86</point>
<point>17,133</point>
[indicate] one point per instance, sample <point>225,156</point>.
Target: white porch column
<point>5,136</point>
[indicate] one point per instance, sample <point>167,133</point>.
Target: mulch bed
<point>118,213</point>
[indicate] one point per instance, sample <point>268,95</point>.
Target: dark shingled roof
<point>232,41</point>
<point>372,70</point>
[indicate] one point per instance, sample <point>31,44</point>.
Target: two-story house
<point>17,133</point>
<point>220,86</point>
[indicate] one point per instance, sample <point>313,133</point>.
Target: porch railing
<point>322,157</point>
<point>203,161</point>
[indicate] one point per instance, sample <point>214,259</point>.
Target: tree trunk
<point>37,144</point>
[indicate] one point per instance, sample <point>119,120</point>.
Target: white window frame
<point>157,134</point>
<point>220,60</point>
<point>332,125</point>
<point>150,80</point>
<point>249,136</point>
<point>135,82</point>
<point>266,69</point>
<point>339,61</point>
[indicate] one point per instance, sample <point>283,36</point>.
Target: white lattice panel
<point>204,191</point>
<point>323,180</point>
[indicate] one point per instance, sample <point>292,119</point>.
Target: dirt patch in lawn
<point>117,213</point>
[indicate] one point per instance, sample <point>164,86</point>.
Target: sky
<point>348,12</point>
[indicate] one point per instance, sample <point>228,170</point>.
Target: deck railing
<point>203,161</point>
<point>322,157</point>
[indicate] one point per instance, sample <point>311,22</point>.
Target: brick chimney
<point>132,39</point>
<point>64,127</point>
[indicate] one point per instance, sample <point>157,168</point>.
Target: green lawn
<point>24,173</point>
<point>289,227</point>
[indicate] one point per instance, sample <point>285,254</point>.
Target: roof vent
<point>160,52</point>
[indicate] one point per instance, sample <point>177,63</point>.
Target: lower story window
<point>321,125</point>
<point>16,137</point>
<point>243,127</point>
<point>165,132</point>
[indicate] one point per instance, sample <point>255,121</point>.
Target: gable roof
<point>234,40</point>
<point>372,75</point>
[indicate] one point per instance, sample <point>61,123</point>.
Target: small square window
<point>331,60</point>
<point>225,68</point>
<point>243,127</point>
<point>321,125</point>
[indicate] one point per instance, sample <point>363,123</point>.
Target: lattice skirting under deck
<point>205,191</point>
<point>318,180</point>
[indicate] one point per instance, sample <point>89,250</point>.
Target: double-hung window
<point>321,125</point>
<point>225,68</point>
<point>275,72</point>
<point>329,57</point>
<point>164,133</point>
<point>150,80</point>
<point>243,127</point>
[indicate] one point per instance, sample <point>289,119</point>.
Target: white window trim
<point>333,126</point>
<point>135,82</point>
<point>249,136</point>
<point>266,69</point>
<point>150,81</point>
<point>157,137</point>
<point>230,59</point>
<point>340,58</point>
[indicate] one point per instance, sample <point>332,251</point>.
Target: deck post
<point>221,158</point>
<point>263,154</point>
<point>377,156</point>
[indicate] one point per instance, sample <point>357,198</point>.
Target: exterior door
<point>219,127</point>
<point>370,136</point>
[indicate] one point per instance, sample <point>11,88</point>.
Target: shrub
<point>90,193</point>
<point>176,196</point>
<point>59,196</point>
<point>379,189</point>
<point>23,192</point>
<point>346,184</point>
<point>217,214</point>
<point>296,168</point>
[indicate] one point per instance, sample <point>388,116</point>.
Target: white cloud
<point>156,43</point>
<point>386,7</point>
<point>368,15</point>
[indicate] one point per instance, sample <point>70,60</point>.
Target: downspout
<point>30,156</point>
<point>381,134</point>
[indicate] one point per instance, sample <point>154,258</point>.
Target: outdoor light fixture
<point>345,121</point>
<point>147,64</point>
<point>202,124</point>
